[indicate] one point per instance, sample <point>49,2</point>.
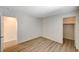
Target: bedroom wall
<point>52,28</point>
<point>27,27</point>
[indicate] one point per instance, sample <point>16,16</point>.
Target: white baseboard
<point>30,38</point>
<point>37,36</point>
<point>50,38</point>
<point>77,48</point>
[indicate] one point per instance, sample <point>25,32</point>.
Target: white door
<point>1,33</point>
<point>8,31</point>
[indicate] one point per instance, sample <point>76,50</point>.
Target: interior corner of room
<point>25,24</point>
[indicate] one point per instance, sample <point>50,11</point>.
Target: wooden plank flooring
<point>43,45</point>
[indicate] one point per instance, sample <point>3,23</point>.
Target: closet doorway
<point>69,30</point>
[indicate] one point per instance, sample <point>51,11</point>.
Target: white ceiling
<point>38,11</point>
<point>43,11</point>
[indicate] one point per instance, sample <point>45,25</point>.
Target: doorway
<point>8,31</point>
<point>69,30</point>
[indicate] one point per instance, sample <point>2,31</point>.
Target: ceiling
<point>43,11</point>
<point>39,11</point>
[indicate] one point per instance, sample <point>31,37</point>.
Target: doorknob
<point>1,36</point>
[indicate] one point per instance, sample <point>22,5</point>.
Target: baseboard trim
<point>67,39</point>
<point>52,39</point>
<point>9,44</point>
<point>30,38</point>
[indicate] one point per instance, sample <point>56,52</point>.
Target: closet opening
<point>69,31</point>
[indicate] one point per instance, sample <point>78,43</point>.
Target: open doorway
<point>69,30</point>
<point>8,31</point>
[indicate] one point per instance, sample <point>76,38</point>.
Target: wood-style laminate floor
<point>43,45</point>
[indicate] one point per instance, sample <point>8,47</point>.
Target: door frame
<point>74,28</point>
<point>2,34</point>
<point>2,31</point>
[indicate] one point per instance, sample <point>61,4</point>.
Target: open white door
<point>1,33</point>
<point>8,32</point>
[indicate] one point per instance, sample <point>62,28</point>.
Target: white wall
<point>28,27</point>
<point>52,28</point>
